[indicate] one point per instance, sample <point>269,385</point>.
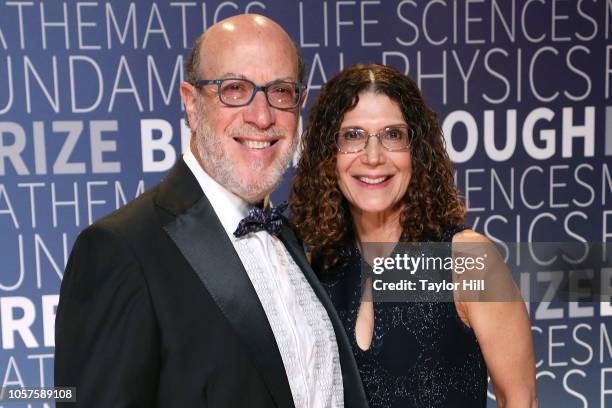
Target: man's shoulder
<point>117,229</point>
<point>139,211</point>
<point>147,215</point>
<point>175,193</point>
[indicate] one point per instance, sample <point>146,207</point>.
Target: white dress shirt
<point>300,324</point>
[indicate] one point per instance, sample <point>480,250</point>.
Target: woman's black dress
<point>421,355</point>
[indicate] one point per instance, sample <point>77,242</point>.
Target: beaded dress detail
<point>421,355</point>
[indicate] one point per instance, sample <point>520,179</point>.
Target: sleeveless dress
<point>422,355</point>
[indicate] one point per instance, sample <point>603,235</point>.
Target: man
<point>162,305</point>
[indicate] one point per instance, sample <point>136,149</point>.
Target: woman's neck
<point>377,227</point>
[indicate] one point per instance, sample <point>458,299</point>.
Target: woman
<point>374,169</point>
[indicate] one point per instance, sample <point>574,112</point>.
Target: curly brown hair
<point>320,213</point>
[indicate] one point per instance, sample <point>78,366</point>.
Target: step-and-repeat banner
<point>90,117</point>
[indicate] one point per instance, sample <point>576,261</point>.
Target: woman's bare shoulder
<point>470,236</point>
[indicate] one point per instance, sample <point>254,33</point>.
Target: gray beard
<point>222,168</point>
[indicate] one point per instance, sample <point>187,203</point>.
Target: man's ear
<point>303,98</point>
<point>190,99</point>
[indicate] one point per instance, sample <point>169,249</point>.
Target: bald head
<point>233,35</point>
<point>245,147</point>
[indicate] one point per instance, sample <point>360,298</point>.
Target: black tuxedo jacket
<point>156,310</point>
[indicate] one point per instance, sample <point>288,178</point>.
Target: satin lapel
<point>200,237</point>
<point>354,394</point>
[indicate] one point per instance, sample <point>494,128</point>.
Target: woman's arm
<point>503,330</point>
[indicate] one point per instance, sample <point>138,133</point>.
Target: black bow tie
<point>258,219</point>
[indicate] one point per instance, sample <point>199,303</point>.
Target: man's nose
<point>259,112</point>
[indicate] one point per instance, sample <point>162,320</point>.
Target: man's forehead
<point>246,56</point>
<point>241,29</point>
<point>240,75</point>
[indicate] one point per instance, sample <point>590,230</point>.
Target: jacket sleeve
<point>106,337</point>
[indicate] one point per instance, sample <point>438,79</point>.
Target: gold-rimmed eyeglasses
<point>392,138</point>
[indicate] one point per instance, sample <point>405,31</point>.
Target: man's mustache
<point>246,130</point>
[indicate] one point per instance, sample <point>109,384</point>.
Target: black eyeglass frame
<point>300,88</point>
<point>376,135</point>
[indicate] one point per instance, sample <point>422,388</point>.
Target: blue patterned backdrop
<point>90,117</point>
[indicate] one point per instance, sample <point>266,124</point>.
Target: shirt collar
<point>230,208</point>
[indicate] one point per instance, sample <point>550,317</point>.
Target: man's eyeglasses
<point>240,92</point>
<point>392,138</point>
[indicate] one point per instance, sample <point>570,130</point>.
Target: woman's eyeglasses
<point>392,138</point>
